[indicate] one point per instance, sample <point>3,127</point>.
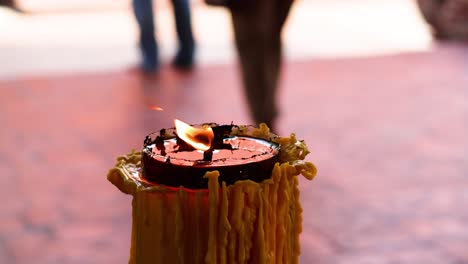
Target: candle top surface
<point>150,171</point>
<point>242,150</point>
<point>236,152</point>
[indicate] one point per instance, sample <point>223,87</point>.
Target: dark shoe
<point>149,53</point>
<point>184,59</point>
<point>149,65</point>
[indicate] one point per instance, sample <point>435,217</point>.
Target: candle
<point>226,196</point>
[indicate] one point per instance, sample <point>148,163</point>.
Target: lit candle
<point>182,156</point>
<point>214,194</point>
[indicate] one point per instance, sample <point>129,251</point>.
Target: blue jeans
<point>143,10</point>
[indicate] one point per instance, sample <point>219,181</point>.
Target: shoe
<point>184,59</point>
<point>149,66</point>
<point>149,55</point>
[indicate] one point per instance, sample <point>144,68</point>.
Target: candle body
<point>246,222</point>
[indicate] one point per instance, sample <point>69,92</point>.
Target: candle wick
<point>208,155</point>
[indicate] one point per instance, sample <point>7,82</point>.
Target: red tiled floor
<point>387,134</point>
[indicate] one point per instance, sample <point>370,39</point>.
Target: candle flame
<point>199,138</point>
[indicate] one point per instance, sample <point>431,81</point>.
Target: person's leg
<point>257,28</point>
<point>12,5</point>
<point>280,14</point>
<point>185,53</point>
<point>7,3</point>
<point>143,10</point>
<point>252,44</point>
<point>453,20</point>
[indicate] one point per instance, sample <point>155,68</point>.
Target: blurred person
<point>257,28</point>
<point>10,4</point>
<point>7,3</point>
<point>184,59</point>
<point>448,18</point>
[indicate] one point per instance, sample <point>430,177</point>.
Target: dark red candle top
<point>244,150</point>
<point>170,161</point>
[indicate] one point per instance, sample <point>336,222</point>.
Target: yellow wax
<point>246,222</point>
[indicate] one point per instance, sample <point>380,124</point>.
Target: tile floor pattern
<point>388,135</point>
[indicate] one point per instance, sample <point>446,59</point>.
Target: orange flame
<point>199,138</point>
<point>156,108</point>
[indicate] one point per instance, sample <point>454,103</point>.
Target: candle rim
<point>127,176</point>
<point>270,149</point>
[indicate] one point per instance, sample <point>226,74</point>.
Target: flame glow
<point>199,138</point>
<point>156,108</point>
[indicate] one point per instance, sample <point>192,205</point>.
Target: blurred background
<point>381,103</point>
